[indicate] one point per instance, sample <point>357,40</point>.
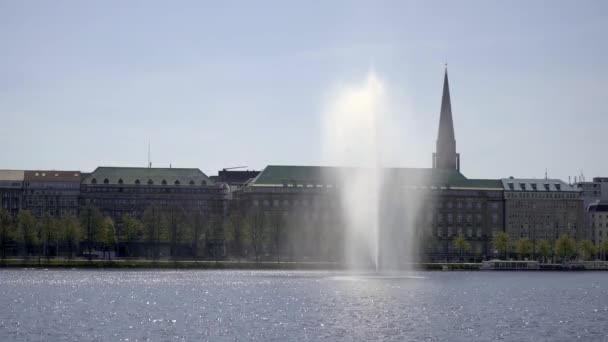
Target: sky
<point>215,84</point>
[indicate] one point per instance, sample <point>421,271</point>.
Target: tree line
<point>167,232</point>
<point>563,249</point>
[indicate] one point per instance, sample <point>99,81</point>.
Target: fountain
<point>377,217</point>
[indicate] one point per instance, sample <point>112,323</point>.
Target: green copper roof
<point>129,176</point>
<point>313,176</point>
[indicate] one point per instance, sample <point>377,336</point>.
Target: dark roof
<point>324,176</point>
<point>129,175</point>
<point>542,185</point>
<point>51,176</point>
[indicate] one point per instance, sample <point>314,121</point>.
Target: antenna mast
<point>149,161</point>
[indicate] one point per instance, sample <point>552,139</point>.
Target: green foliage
<point>565,247</point>
<point>27,230</point>
<point>502,243</point>
<point>604,248</point>
<point>7,231</point>
<point>524,247</point>
<point>70,234</point>
<point>108,232</point>
<point>155,228</point>
<point>49,232</point>
<point>257,232</point>
<point>544,249</point>
<point>586,250</point>
<point>132,229</point>
<point>91,221</point>
<point>277,233</point>
<point>462,244</point>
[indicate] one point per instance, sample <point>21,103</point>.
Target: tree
<point>131,231</point>
<point>155,231</point>
<point>565,248</point>
<point>70,234</point>
<point>236,233</point>
<point>7,231</point>
<point>28,234</point>
<point>49,234</point>
<point>215,237</point>
<point>544,248</point>
<point>198,226</point>
<point>524,247</point>
<point>502,243</point>
<point>462,245</point>
<point>586,250</point>
<point>91,222</point>
<point>174,216</point>
<point>256,227</point>
<point>107,235</point>
<point>277,224</point>
<point>604,248</point>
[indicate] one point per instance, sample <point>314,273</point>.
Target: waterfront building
<point>597,217</point>
<point>593,192</point>
<point>130,190</point>
<point>543,209</point>
<point>51,192</point>
<point>11,190</point>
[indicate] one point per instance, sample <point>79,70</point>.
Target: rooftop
<point>143,175</point>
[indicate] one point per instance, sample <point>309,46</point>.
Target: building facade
<point>116,191</point>
<point>51,192</point>
<point>597,218</point>
<point>543,209</point>
<point>11,190</point>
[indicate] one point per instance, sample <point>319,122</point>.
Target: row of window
<point>150,182</point>
<point>541,195</point>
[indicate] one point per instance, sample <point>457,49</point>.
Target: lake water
<point>91,305</point>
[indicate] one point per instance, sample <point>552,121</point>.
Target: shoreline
<point>244,265</point>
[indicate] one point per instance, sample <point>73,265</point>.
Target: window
<point>522,186</point>
<point>120,181</point>
<point>533,186</point>
<point>546,186</point>
<point>511,186</point>
<point>176,182</point>
<point>163,182</point>
<point>558,186</point>
<point>150,182</point>
<point>191,182</point>
<point>203,182</point>
<point>93,181</point>
<point>137,181</point>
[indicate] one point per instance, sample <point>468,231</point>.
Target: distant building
<point>130,190</point>
<point>51,192</point>
<point>597,216</point>
<point>234,179</point>
<point>543,209</point>
<point>593,192</point>
<point>11,190</point>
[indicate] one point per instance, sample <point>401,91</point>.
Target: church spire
<point>446,156</point>
<point>446,125</point>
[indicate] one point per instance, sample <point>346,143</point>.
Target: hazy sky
<point>215,84</point>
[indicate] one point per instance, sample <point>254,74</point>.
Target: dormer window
<point>164,182</point>
<point>150,182</point>
<point>547,186</point>
<point>511,186</point>
<point>137,181</point>
<point>191,182</point>
<point>533,186</point>
<point>522,186</point>
<point>176,182</point>
<point>203,182</point>
<point>93,181</point>
<point>106,181</point>
<point>120,181</point>
<point>558,187</point>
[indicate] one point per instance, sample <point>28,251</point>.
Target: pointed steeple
<point>445,156</point>
<point>446,125</point>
